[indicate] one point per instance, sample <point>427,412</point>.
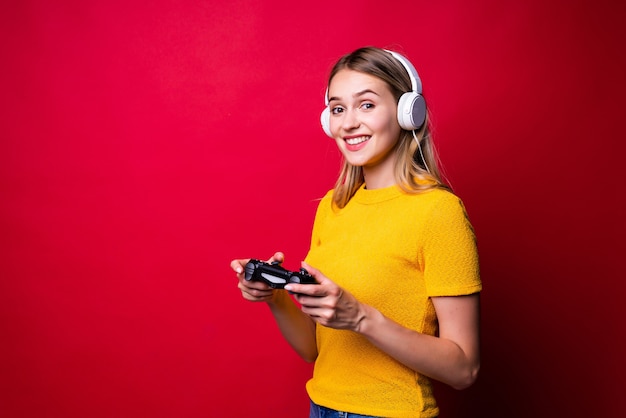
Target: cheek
<point>385,121</point>
<point>334,125</point>
<point>341,145</point>
<point>389,126</point>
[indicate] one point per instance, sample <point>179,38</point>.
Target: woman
<point>393,252</point>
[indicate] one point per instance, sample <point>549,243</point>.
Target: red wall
<point>144,146</point>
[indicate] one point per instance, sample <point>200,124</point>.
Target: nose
<point>350,119</point>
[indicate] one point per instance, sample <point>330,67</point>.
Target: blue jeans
<point>323,412</point>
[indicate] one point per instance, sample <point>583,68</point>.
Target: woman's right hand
<point>296,326</point>
<point>252,290</point>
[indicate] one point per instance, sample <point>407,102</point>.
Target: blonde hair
<point>417,168</point>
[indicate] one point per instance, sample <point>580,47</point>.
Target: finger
<point>248,284</point>
<point>306,289</point>
<point>278,256</point>
<point>252,297</point>
<point>255,292</point>
<point>238,264</point>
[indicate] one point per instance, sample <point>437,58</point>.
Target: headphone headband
<point>416,83</point>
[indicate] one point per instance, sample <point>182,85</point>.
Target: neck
<point>377,179</point>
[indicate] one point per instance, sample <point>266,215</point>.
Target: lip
<point>358,145</point>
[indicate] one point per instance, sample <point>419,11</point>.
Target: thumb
<point>278,256</point>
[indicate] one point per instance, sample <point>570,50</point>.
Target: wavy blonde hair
<point>417,170</point>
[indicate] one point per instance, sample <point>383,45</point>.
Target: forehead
<point>349,82</point>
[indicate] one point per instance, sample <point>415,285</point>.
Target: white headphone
<point>411,106</point>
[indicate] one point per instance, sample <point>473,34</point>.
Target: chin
<point>357,163</point>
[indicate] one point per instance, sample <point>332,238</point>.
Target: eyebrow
<point>357,94</point>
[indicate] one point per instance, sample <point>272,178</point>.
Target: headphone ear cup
<point>325,120</point>
<point>411,111</point>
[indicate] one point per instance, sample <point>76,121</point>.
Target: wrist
<point>277,299</point>
<point>366,319</point>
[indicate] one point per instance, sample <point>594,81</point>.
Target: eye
<point>367,106</point>
<point>336,110</point>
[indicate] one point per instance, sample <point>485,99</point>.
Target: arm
<point>296,327</point>
<point>452,358</point>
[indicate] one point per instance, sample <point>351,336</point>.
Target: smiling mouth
<point>357,140</point>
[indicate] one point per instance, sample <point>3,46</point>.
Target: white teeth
<point>354,141</point>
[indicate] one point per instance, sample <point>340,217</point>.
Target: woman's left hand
<point>327,303</point>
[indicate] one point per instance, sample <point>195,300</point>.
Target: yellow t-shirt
<point>394,251</point>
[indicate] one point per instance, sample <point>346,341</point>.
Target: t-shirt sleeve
<point>451,265</point>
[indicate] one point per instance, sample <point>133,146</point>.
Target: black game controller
<point>274,275</point>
